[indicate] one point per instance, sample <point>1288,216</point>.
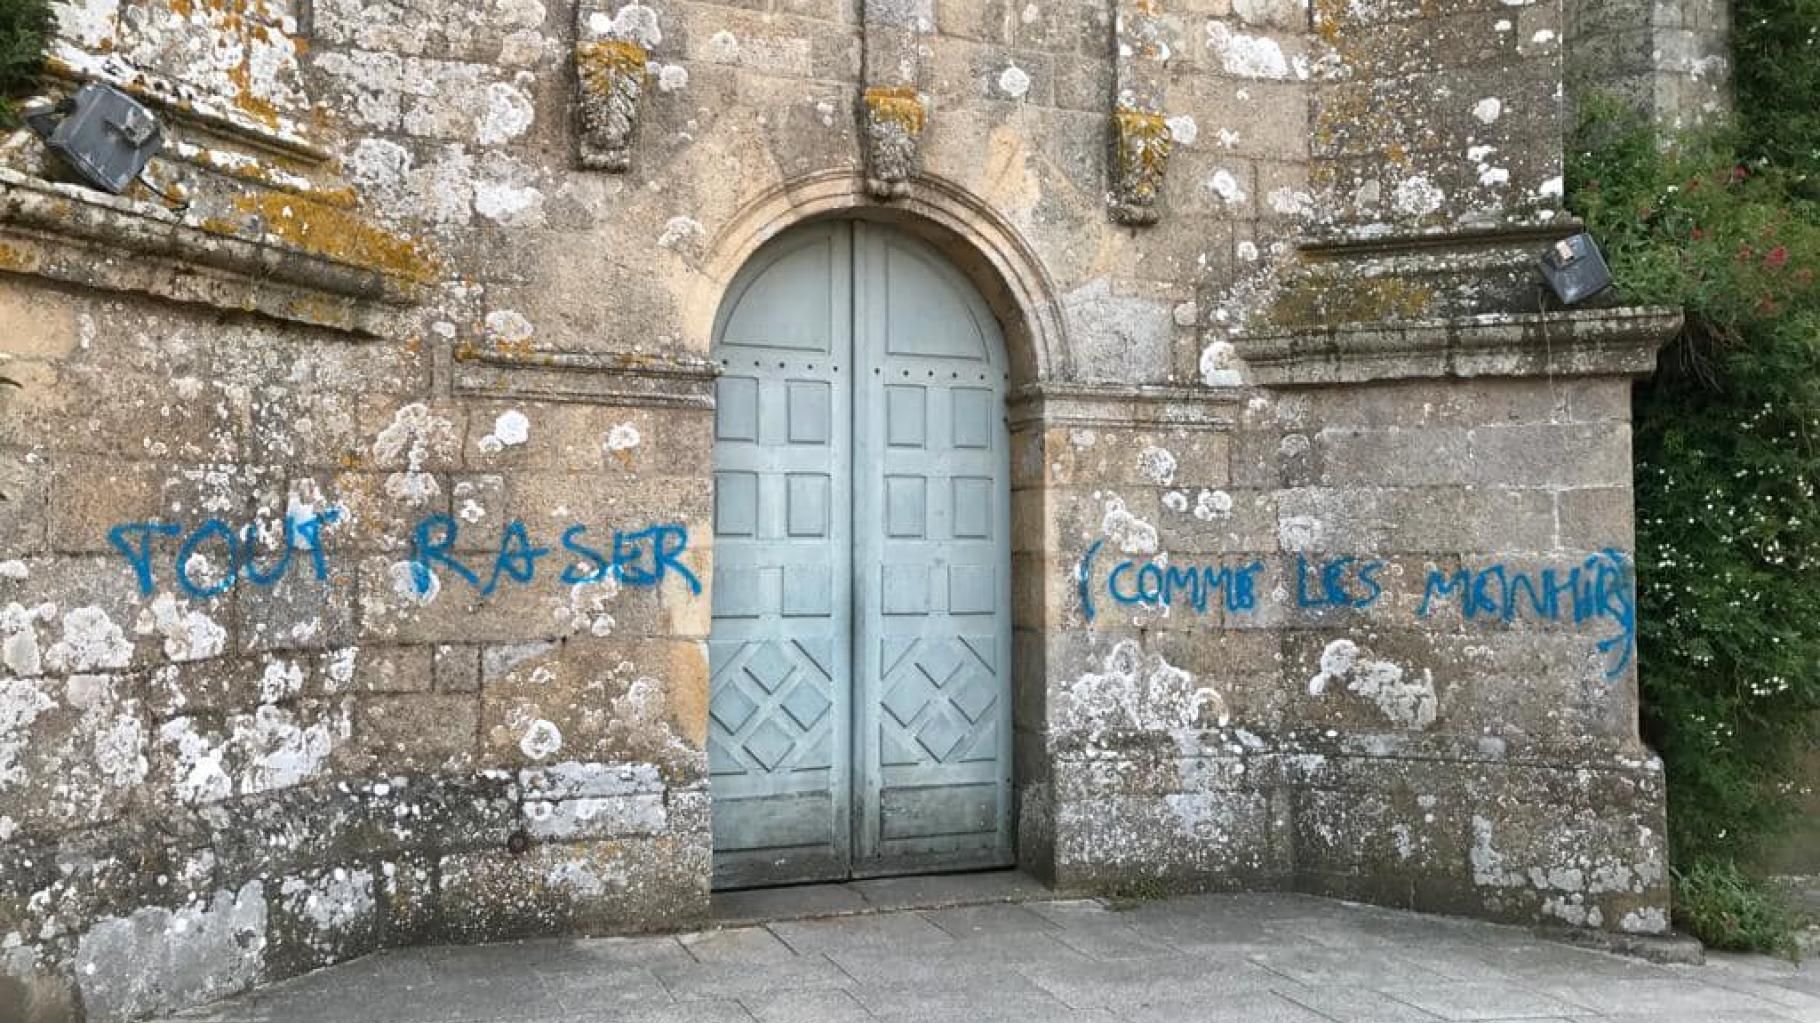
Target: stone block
<point>1393,457</point>
<point>615,701</point>
<point>579,888</point>
<point>1592,455</point>
<point>299,612</point>
<point>327,915</point>
<point>413,732</point>
<point>1595,518</point>
<point>455,668</point>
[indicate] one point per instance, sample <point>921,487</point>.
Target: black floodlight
<point>1575,269</point>
<point>106,135</point>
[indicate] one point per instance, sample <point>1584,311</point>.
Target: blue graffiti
<point>134,542</point>
<point>1602,588</point>
<point>640,558</point>
<point>1159,585</point>
<point>1342,582</point>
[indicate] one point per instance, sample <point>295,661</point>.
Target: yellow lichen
<point>250,102</point>
<point>897,104</point>
<point>333,233</point>
<point>1144,140</point>
<point>601,62</point>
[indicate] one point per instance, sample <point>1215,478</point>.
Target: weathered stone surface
<point>357,559</point>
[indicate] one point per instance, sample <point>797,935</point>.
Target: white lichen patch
<point>282,680</point>
<point>1129,533</point>
<point>622,437</point>
<point>1157,465</point>
<point>1220,365</point>
<point>415,437</point>
<point>1417,196</point>
<point>21,702</point>
<point>270,749</point>
<point>541,739</point>
<point>589,606</point>
<point>159,960</point>
<point>189,634</point>
<point>634,23</point>
<point>1225,185</point>
<point>1300,533</point>
<point>1014,82</point>
<point>679,231</point>
<point>91,641</point>
<point>1141,692</point>
<point>19,648</point>
<point>1212,504</point>
<point>510,429</point>
<point>1408,702</point>
<point>1247,56</point>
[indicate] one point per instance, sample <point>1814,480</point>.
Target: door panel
<point>932,590</point>
<point>779,657</point>
<point>860,718</point>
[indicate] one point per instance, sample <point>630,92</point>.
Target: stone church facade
<point>537,462</point>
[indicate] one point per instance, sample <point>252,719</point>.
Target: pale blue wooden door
<point>860,712</point>
<point>932,565</point>
<point>780,698</point>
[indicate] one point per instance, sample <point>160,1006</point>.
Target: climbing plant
<point>24,27</point>
<point>1727,227</point>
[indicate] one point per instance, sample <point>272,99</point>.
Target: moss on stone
<point>1314,300</point>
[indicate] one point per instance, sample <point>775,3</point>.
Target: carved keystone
<point>1140,154</point>
<point>612,77</point>
<point>894,122</point>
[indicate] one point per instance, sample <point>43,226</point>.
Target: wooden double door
<point>860,710</point>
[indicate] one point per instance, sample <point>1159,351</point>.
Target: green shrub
<point>1777,73</point>
<point>1727,437</point>
<point>1729,909</point>
<point>24,27</point>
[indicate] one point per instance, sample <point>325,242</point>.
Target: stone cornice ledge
<point>84,237</point>
<point>1580,342</point>
<point>632,379</point>
<point>1057,403</point>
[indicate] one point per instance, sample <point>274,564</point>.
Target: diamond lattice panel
<point>938,701</point>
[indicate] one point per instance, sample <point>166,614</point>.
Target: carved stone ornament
<point>1140,155</point>
<point>612,77</point>
<point>894,122</point>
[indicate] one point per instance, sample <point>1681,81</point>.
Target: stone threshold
<point>750,906</point>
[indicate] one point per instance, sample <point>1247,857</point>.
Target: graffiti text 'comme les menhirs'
<point>214,556</point>
<point>1598,588</point>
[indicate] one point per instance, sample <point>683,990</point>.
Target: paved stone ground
<point>1205,959</point>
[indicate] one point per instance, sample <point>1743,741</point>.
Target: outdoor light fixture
<point>106,135</point>
<point>1575,269</point>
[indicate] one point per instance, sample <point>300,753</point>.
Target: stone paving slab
<point>998,953</point>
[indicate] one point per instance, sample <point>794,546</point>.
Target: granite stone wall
<point>356,558</point>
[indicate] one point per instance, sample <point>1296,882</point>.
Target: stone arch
<point>997,260</point>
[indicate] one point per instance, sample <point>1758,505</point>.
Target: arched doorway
<point>860,710</point>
